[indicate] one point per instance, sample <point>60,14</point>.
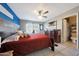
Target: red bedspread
<point>33,43</point>
<point>38,36</point>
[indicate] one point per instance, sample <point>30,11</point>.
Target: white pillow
<point>9,39</point>
<point>9,53</point>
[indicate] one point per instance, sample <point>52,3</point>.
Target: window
<point>32,28</point>
<point>41,27</point>
<point>29,28</point>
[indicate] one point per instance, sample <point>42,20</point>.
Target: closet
<point>72,22</point>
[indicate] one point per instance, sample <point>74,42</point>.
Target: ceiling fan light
<point>40,17</point>
<point>36,12</point>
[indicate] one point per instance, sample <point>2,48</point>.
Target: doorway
<point>69,30</point>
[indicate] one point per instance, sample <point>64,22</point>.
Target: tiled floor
<point>66,49</point>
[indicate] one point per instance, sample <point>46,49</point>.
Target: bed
<point>28,45</point>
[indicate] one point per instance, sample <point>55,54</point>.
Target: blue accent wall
<point>5,17</point>
<point>15,19</point>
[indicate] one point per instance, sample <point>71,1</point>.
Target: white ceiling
<point>26,10</point>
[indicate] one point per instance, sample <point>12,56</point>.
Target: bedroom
<point>37,18</point>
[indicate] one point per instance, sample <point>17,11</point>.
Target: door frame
<point>77,17</point>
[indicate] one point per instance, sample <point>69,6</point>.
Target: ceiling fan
<point>42,13</point>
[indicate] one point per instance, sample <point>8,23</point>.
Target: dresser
<point>55,35</point>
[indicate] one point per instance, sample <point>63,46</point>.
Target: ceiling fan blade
<point>45,12</point>
<point>44,16</point>
<point>40,12</point>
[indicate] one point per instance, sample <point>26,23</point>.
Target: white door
<point>65,31</point>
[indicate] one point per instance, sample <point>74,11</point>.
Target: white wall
<point>23,25</point>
